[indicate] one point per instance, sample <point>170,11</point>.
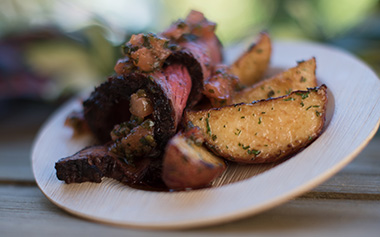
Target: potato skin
<point>296,78</point>
<point>251,66</point>
<point>265,131</point>
<point>187,165</point>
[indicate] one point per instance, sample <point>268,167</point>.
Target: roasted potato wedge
<point>252,65</point>
<point>300,77</point>
<point>188,164</point>
<point>264,131</point>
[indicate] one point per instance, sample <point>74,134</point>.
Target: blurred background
<point>50,50</point>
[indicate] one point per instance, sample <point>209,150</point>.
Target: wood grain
<point>24,211</point>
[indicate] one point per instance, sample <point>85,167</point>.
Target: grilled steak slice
<point>195,62</point>
<point>196,36</point>
<point>167,89</point>
<point>93,163</point>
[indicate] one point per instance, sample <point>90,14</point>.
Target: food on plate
<point>251,66</point>
<point>170,117</point>
<point>300,77</point>
<point>188,164</point>
<point>265,131</point>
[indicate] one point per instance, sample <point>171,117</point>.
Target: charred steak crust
<point>108,105</point>
<point>92,163</point>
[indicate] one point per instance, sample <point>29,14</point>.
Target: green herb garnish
<point>289,99</point>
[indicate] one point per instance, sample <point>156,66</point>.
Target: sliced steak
<point>167,89</point>
<point>93,163</point>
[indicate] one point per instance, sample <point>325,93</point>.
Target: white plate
<point>353,118</point>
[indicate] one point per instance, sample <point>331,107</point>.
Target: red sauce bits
<point>144,52</point>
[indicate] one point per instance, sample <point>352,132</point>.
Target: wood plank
<point>350,186</point>
<point>15,162</point>
<point>24,211</point>
<point>20,122</point>
<point>312,217</point>
<point>368,161</point>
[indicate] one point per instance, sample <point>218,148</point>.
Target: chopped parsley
<point>289,99</point>
<point>312,106</point>
<point>253,152</point>
<point>245,147</point>
<point>208,125</point>
<point>303,95</point>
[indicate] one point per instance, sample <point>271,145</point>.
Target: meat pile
<point>137,110</point>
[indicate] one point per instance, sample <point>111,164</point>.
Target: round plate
<point>353,118</point>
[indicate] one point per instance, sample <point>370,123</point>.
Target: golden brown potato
<point>265,131</point>
<point>300,77</point>
<point>188,164</point>
<point>252,65</point>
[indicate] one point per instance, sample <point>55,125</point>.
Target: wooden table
<point>346,205</point>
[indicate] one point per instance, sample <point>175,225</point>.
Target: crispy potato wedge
<point>188,164</point>
<point>264,131</point>
<point>251,66</point>
<point>300,77</point>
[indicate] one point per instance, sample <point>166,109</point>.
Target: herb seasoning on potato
<point>300,77</point>
<point>265,131</point>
